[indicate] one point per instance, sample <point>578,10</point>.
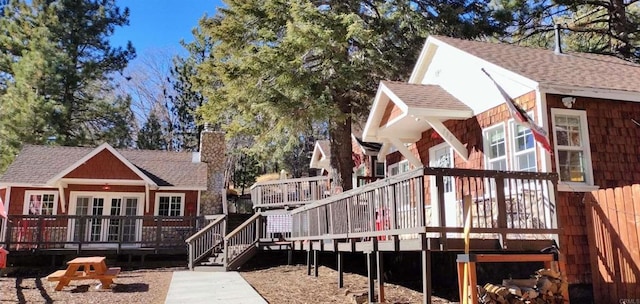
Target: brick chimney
<point>212,152</point>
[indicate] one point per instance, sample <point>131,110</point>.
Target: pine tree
<point>151,136</point>
<point>283,66</point>
<point>55,62</point>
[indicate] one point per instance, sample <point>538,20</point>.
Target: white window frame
<point>376,172</point>
<point>29,193</point>
<point>156,208</point>
<point>487,147</point>
<point>400,165</point>
<point>512,163</point>
<point>588,184</point>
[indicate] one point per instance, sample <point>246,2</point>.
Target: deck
<point>68,234</point>
<point>425,210</point>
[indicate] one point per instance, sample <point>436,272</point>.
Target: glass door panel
<point>95,234</point>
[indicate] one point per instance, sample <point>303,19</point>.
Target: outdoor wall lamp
<point>568,101</point>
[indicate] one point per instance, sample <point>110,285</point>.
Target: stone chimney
<point>212,152</point>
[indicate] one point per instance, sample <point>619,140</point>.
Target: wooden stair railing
<point>206,240</point>
<point>241,243</point>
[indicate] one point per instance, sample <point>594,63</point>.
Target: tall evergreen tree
<point>186,99</point>
<point>151,136</point>
<point>610,27</point>
<point>55,62</point>
<point>286,65</point>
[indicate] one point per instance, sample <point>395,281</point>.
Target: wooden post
<point>315,263</point>
<point>426,276</point>
<point>441,210</point>
<point>380,276</point>
<point>370,273</point>
<point>502,211</point>
<point>309,261</point>
<point>340,270</point>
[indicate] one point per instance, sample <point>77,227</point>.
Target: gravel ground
<point>138,286</point>
<point>291,284</point>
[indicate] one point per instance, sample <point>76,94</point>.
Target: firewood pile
<point>542,288</point>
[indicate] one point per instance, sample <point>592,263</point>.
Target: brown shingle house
<point>449,114</point>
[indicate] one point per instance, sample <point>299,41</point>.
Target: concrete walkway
<point>211,287</point>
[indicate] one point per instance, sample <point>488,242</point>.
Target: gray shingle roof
<point>544,66</point>
<point>38,164</point>
<point>425,96</point>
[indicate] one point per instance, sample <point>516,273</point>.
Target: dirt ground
<point>138,286</point>
<point>291,284</point>
<point>281,284</point>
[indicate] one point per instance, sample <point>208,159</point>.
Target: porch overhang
<point>401,112</point>
<point>321,157</point>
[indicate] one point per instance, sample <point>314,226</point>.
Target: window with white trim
<point>572,148</point>
<point>495,147</point>
<point>40,202</point>
<point>169,204</point>
<point>399,167</point>
<point>524,149</point>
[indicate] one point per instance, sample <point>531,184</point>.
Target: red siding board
<point>103,165</point>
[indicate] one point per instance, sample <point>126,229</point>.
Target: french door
<point>99,226</point>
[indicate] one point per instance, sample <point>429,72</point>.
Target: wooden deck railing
<point>206,240</point>
<point>39,232</point>
<point>518,205</point>
<point>289,192</point>
<point>240,244</point>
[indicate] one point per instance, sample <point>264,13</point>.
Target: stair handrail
<point>205,240</point>
<point>245,236</point>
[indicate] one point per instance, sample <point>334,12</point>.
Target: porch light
<point>106,187</point>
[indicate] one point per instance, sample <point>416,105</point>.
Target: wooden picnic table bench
<point>93,268</point>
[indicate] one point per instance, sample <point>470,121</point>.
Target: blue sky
<point>161,24</point>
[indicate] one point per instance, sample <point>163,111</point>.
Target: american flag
<point>521,116</point>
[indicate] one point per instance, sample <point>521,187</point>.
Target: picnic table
<point>93,268</point>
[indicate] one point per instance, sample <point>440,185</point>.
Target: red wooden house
<point>102,198</point>
<point>450,114</point>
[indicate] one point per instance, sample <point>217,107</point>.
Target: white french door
<point>97,229</point>
<point>441,156</point>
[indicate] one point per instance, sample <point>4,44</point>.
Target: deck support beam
<point>426,276</point>
<point>340,270</point>
<point>371,269</point>
<point>315,263</point>
<point>380,276</point>
<point>309,262</point>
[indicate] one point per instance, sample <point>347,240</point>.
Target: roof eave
<point>590,92</point>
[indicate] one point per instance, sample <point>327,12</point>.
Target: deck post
<point>370,273</point>
<point>426,276</point>
<point>380,276</point>
<point>340,270</point>
<point>315,263</point>
<point>309,261</point>
<point>502,211</point>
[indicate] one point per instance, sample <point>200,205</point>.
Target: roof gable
<point>102,148</point>
<point>37,165</point>
<point>103,165</point>
<point>540,67</point>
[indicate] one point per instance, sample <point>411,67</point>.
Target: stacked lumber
<point>542,288</point>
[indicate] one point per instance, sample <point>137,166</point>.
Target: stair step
<point>209,269</point>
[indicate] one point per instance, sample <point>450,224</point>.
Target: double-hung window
<point>524,148</point>
<point>571,136</point>
<point>170,204</point>
<point>495,147</point>
<point>40,203</point>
